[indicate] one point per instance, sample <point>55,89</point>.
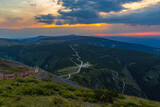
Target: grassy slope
<point>11,67</point>
<point>32,93</point>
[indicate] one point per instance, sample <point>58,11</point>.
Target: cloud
<point>88,12</point>
<point>49,19</point>
<point>82,11</point>
<point>99,5</point>
<point>147,16</point>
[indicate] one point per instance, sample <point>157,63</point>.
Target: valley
<point>98,67</point>
<point>78,59</point>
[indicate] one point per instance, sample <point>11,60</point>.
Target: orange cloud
<point>129,34</point>
<point>39,25</point>
<point>75,25</point>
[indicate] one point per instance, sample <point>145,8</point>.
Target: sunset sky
<point>29,18</point>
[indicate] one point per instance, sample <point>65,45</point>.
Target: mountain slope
<point>8,67</point>
<point>8,42</point>
<point>127,72</point>
<point>152,42</point>
<point>34,39</point>
<point>30,92</point>
<point>99,42</point>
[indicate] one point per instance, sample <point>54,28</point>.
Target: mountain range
<point>126,68</point>
<point>148,41</point>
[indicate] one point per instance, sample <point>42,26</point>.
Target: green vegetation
<point>32,93</point>
<point>111,67</point>
<point>67,70</point>
<point>11,67</point>
<point>32,87</point>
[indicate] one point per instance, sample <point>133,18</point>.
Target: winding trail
<point>124,84</point>
<point>78,59</point>
<point>123,81</point>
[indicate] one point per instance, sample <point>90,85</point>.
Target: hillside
<point>148,41</point>
<point>34,93</point>
<point>10,70</point>
<point>9,42</point>
<point>72,39</point>
<point>44,89</point>
<point>126,72</point>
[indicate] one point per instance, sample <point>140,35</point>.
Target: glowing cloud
<point>76,25</point>
<point>141,4</point>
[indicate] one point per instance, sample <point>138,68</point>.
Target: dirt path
<point>78,59</point>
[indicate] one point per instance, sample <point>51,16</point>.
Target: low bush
<point>32,90</point>
<point>1,102</point>
<point>21,80</point>
<point>105,95</point>
<point>67,94</point>
<point>59,102</point>
<point>32,87</point>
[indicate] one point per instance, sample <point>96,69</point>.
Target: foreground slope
<point>34,93</point>
<point>30,92</point>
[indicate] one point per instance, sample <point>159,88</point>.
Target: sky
<point>30,18</point>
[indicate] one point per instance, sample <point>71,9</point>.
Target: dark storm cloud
<point>149,16</point>
<point>49,19</point>
<point>87,12</point>
<point>79,16</point>
<point>99,5</point>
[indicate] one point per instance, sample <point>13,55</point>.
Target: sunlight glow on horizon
<point>53,25</point>
<point>76,25</point>
<point>130,34</point>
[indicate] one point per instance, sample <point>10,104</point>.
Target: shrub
<point>8,95</point>
<point>126,104</point>
<point>48,92</point>
<point>48,85</point>
<point>19,105</point>
<point>89,99</point>
<point>20,80</point>
<point>32,80</point>
<point>70,88</point>
<point>89,94</point>
<point>67,94</point>
<point>1,102</point>
<point>105,95</point>
<point>120,96</point>
<point>131,104</point>
<point>32,90</point>
<point>78,93</point>
<point>59,102</point>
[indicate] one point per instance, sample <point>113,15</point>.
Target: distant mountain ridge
<point>38,38</point>
<point>8,42</point>
<point>148,41</point>
<point>100,42</point>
